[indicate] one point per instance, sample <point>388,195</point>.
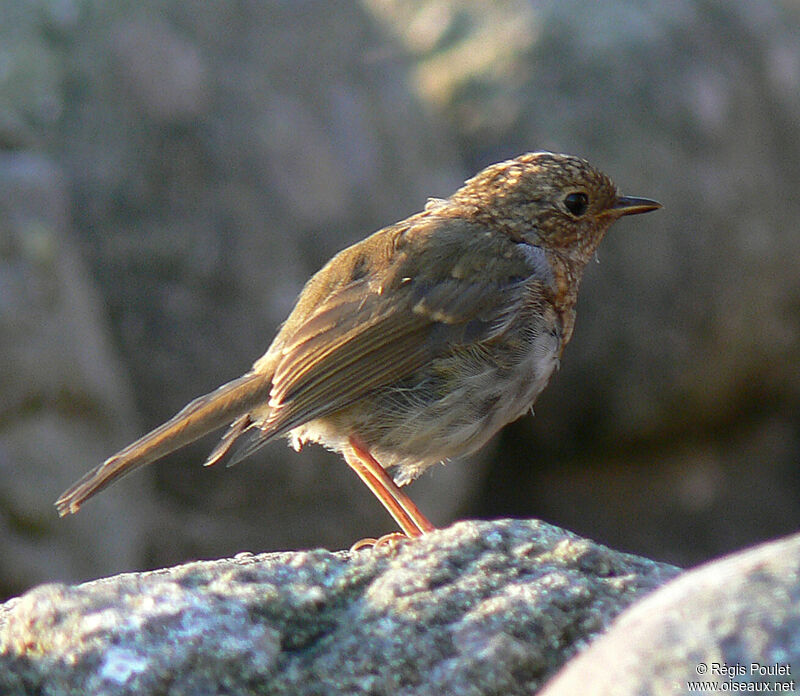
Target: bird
<point>417,344</point>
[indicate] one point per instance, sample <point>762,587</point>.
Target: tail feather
<point>241,425</point>
<point>251,441</point>
<point>201,416</point>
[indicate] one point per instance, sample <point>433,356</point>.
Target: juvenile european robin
<point>417,344</point>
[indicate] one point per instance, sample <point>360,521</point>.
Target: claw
<point>386,540</point>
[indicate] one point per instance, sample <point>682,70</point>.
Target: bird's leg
<point>400,506</point>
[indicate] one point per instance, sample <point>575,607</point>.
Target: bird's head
<point>560,202</point>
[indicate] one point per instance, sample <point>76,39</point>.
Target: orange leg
<point>400,506</point>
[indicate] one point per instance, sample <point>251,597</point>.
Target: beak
<point>626,205</point>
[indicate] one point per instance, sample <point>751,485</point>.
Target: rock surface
<point>733,623</point>
<point>188,168</point>
<point>205,159</point>
<point>479,608</point>
<point>65,399</point>
<point>674,416</point>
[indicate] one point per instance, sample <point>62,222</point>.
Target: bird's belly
<point>506,395</point>
<point>447,409</point>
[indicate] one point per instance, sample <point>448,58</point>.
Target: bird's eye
<point>577,203</point>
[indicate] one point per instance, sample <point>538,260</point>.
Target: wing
<point>447,284</point>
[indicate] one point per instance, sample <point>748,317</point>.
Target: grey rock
<point>209,159</point>
<point>686,343</point>
<point>213,155</point>
<point>219,155</point>
<point>712,624</point>
<point>479,608</point>
<point>65,399</point>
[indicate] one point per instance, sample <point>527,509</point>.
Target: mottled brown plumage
<point>420,342</point>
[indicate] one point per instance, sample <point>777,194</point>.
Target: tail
<point>201,416</point>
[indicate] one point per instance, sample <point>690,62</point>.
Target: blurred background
<point>172,172</point>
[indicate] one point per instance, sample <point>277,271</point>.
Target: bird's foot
<point>386,540</point>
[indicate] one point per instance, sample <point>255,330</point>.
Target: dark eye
<point>577,203</point>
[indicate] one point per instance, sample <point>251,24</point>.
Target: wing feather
<point>346,339</point>
<point>366,351</point>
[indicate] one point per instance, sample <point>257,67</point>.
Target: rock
<point>210,159</point>
<point>733,622</point>
<point>65,396</point>
<point>220,156</point>
<point>479,608</point>
<point>213,155</point>
<point>686,342</point>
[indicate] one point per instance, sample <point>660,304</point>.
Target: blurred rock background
<point>172,172</point>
